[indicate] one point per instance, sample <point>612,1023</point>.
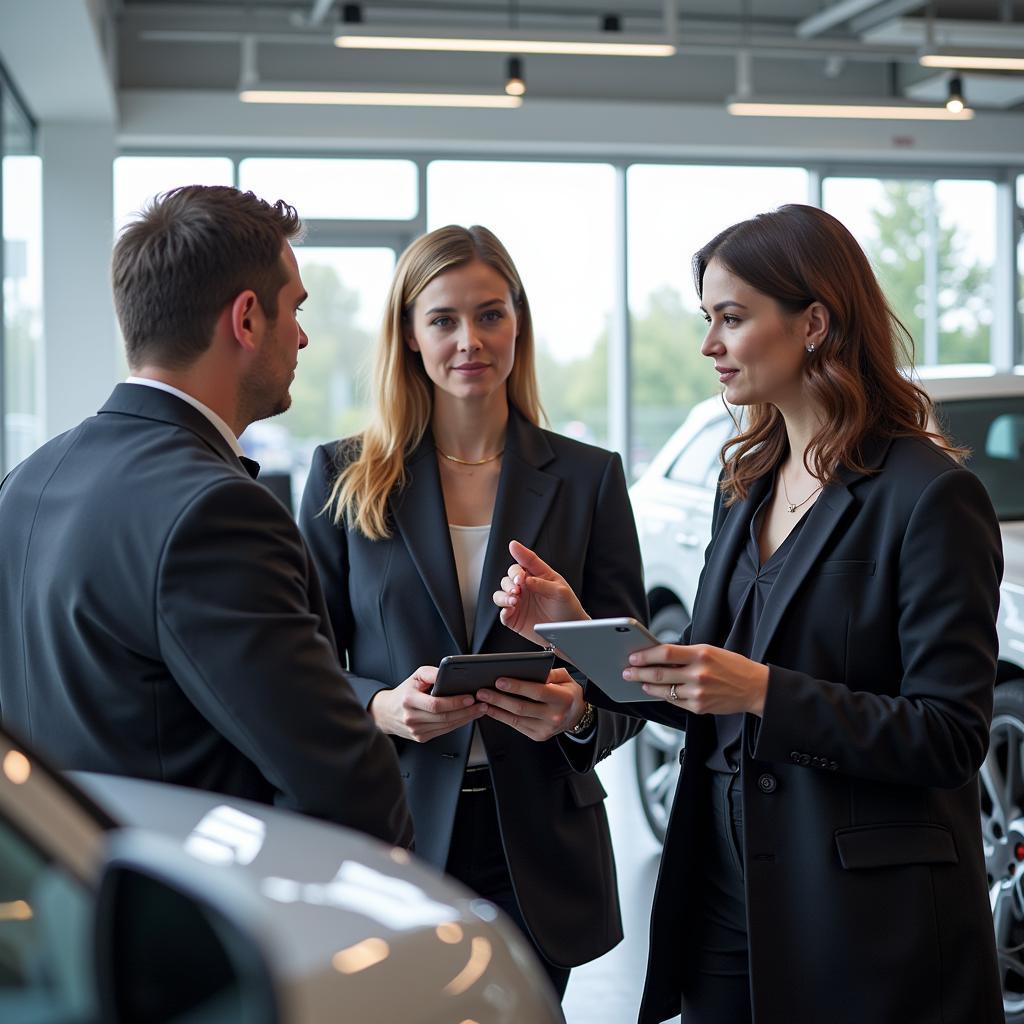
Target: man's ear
<point>245,312</point>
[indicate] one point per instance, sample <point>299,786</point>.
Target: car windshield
<point>993,430</point>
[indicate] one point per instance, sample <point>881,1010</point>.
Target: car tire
<point>658,749</point>
<point>1002,827</point>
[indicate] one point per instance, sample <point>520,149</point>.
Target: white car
<point>673,503</point>
<point>124,901</point>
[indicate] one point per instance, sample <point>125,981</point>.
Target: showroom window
<point>932,240</point>
<point>932,244</point>
<point>21,330</point>
<point>336,189</point>
<point>557,221</point>
<point>347,286</point>
<point>137,179</point>
<point>673,211</point>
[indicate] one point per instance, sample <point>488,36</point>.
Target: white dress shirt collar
<point>225,431</point>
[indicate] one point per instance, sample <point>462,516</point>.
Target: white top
<point>469,545</point>
<point>222,428</point>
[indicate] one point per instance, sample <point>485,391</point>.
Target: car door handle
<point>687,540</point>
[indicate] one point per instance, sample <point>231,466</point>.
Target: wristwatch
<point>586,722</point>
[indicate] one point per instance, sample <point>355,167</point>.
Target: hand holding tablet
<point>600,648</point>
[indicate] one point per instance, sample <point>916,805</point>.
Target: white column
<point>81,360</point>
<point>620,398</point>
<point>1005,344</point>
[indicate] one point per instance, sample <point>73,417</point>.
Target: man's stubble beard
<point>259,398</point>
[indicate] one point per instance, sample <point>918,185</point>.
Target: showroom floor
<point>608,990</point>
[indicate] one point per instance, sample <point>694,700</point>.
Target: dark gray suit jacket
<point>395,605</point>
<point>865,877</point>
<point>160,617</point>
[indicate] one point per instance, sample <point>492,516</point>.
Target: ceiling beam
<point>319,11</point>
<point>840,12</point>
<point>885,12</point>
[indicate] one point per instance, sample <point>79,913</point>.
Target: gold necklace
<point>469,462</point>
<point>791,506</point>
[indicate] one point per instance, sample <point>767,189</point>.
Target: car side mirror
<point>174,940</point>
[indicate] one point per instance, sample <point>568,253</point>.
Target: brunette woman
<point>409,524</point>
<point>824,860</point>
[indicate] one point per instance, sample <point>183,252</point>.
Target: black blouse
<point>748,591</point>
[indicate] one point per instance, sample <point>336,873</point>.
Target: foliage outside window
<point>673,211</point>
<point>931,244</point>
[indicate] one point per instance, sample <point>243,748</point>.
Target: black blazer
<point>866,887</point>
<point>160,617</point>
<point>395,605</point>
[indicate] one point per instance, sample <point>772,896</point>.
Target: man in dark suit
<point>159,613</point>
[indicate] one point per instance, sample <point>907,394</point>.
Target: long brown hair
<point>798,255</point>
<point>403,394</point>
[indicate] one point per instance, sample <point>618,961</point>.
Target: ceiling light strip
<point>580,47</point>
<point>972,61</point>
<point>379,99</point>
<point>753,108</point>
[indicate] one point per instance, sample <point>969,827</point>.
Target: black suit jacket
<point>160,617</point>
<point>866,886</point>
<point>395,605</point>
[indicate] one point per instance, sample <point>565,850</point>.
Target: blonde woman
<point>410,524</point>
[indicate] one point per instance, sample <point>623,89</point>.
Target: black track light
<point>515,84</point>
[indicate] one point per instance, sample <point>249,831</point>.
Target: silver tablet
<point>600,648</point>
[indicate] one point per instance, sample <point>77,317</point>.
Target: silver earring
<point>811,347</point>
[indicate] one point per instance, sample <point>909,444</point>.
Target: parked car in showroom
<point>673,502</point>
<point>124,901</point>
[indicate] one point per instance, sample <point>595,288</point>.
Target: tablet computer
<point>600,648</point>
<point>466,673</point>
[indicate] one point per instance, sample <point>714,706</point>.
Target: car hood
<point>345,919</point>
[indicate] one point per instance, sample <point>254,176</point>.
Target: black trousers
<point>477,859</point>
<point>718,986</point>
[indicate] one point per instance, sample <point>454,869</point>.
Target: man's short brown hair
<point>189,253</point>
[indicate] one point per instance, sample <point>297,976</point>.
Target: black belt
<point>477,779</point>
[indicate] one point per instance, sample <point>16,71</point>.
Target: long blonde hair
<point>403,394</point>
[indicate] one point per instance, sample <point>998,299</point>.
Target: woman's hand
<point>703,679</point>
<point>410,712</point>
<point>537,710</point>
<point>532,592</point>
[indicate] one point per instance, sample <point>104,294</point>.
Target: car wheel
<point>658,749</point>
<point>1002,827</point>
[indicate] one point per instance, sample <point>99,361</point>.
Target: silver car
<point>673,502</point>
<point>124,900</point>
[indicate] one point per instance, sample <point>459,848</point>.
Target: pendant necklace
<point>793,506</point>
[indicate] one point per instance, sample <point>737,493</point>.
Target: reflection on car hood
<point>348,918</point>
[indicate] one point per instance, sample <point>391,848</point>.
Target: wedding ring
<point>672,695</point>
